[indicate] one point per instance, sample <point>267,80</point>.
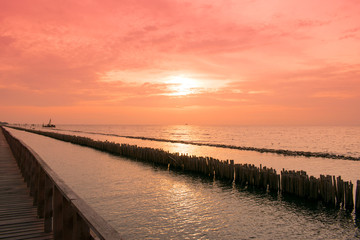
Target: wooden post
<point>332,190</point>
<point>357,200</point>
<point>322,187</point>
<point>232,169</point>
<point>282,180</point>
<point>327,187</point>
<point>221,169</point>
<point>340,192</point>
<point>314,188</point>
<point>48,204</point>
<point>251,177</point>
<point>80,229</point>
<point>349,201</point>
<point>278,182</point>
<point>239,177</point>
<point>334,197</point>
<point>58,214</point>
<point>27,175</point>
<point>243,172</point>
<point>68,219</point>
<point>236,174</point>
<point>35,182</point>
<point>307,187</point>
<point>41,193</point>
<point>33,178</point>
<point>301,184</point>
<point>291,183</point>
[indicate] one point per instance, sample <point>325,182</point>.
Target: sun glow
<point>180,86</point>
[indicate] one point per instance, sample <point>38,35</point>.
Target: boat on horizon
<point>49,124</point>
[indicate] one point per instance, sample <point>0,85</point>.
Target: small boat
<point>49,124</point>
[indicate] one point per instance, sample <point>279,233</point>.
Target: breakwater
<point>332,191</point>
<point>243,148</point>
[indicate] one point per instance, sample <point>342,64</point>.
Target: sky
<point>203,62</point>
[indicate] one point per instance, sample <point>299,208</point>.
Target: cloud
<point>263,54</point>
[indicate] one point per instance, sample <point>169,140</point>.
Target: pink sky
<point>244,62</point>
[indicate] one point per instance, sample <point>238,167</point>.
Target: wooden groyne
<point>243,148</point>
<point>63,212</point>
<point>254,149</point>
<point>332,191</point>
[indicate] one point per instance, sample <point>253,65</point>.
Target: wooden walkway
<point>18,216</point>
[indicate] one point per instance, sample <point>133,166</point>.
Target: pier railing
<point>64,212</point>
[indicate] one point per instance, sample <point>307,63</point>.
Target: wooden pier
<point>38,204</point>
<point>18,216</point>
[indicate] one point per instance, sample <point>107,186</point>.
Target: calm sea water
<point>146,202</point>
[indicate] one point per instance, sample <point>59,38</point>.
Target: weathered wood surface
<point>357,199</point>
<point>18,216</point>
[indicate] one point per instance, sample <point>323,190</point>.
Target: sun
<point>180,85</point>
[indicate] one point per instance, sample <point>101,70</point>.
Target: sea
<point>143,201</point>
